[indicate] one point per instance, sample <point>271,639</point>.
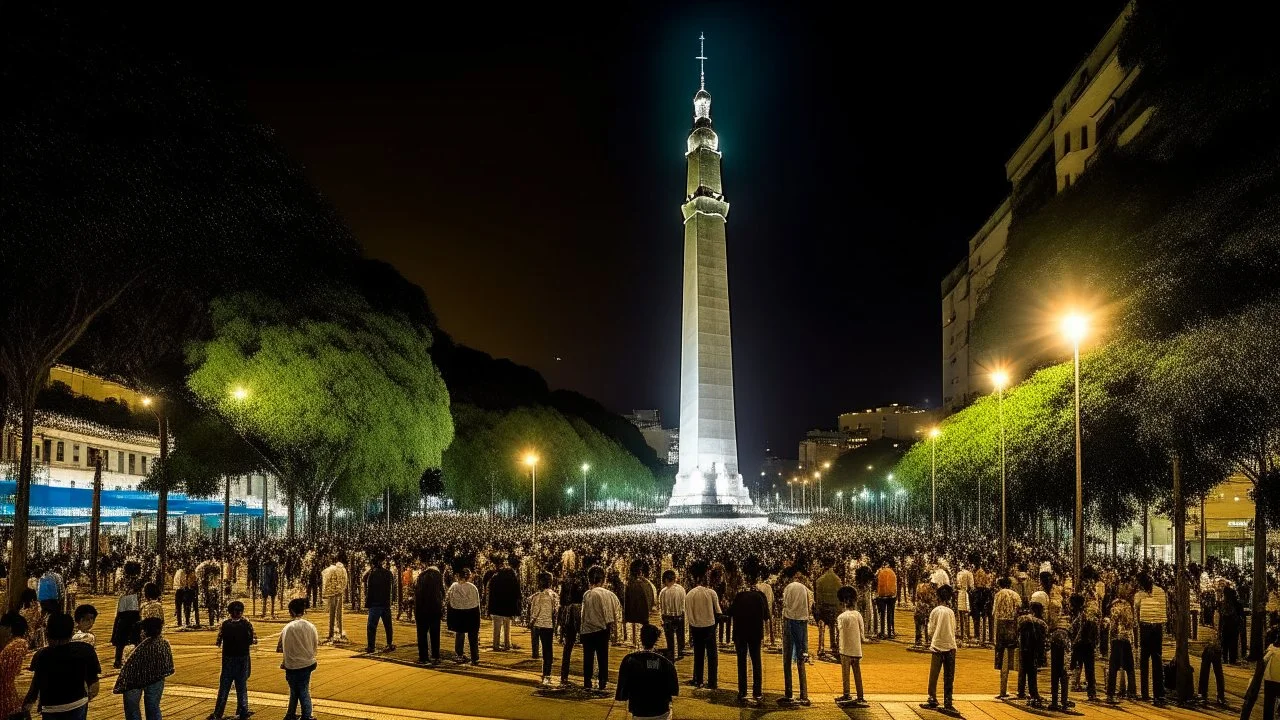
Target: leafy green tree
<point>344,401</point>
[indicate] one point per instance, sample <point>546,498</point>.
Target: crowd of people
<point>605,580</point>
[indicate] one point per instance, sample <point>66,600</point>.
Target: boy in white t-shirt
<point>852,629</point>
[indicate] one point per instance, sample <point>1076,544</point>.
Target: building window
<point>1084,137</point>
<point>119,462</point>
<point>131,463</point>
<point>75,454</point>
<point>144,464</point>
<point>1066,143</point>
<point>61,449</point>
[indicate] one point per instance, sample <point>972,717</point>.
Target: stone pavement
<point>391,686</point>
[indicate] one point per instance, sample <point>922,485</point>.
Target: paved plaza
<point>391,686</point>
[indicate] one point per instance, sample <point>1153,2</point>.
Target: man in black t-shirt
<point>647,680</point>
<point>66,674</point>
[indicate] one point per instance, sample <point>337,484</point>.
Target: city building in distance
<point>664,441</point>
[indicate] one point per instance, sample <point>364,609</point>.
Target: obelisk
<point>708,485</point>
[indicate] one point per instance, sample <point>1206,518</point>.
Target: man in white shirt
<point>942,645</point>
<point>298,643</point>
<point>701,607</point>
<point>795,636</point>
<point>600,610</point>
<point>333,587</point>
<point>671,607</point>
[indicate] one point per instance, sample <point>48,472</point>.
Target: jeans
<point>1229,627</point>
<point>299,691</point>
<point>847,663</point>
<point>704,652</point>
<point>1027,673</point>
<point>475,644</point>
<point>428,627</point>
<point>234,670</point>
<point>1211,658</point>
<point>885,609</point>
<point>1152,639</point>
<point>673,627</point>
<point>1084,656</point>
<point>542,637</point>
<point>745,649</point>
<point>1057,673</point>
<point>152,695</point>
<point>946,662</point>
<point>335,614</point>
<point>595,647</point>
<point>567,656</point>
<point>1270,696</point>
<point>1121,661</point>
<point>377,613</point>
<point>795,646</point>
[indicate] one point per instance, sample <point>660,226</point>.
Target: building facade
<point>664,441</point>
<point>1096,108</point>
<point>895,422</point>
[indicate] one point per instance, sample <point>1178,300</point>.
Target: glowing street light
<point>1000,379</point>
<point>585,468</point>
<point>934,432</point>
<point>1074,328</point>
<point>817,477</point>
<point>532,461</point>
<point>239,393</point>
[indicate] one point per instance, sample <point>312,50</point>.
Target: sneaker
<point>930,705</point>
<point>1160,702</point>
<point>1002,696</point>
<point>1054,707</point>
<point>742,699</point>
<point>693,683</point>
<point>786,702</point>
<point>803,702</point>
<point>860,703</point>
<point>370,650</point>
<point>843,698</point>
<point>757,699</point>
<point>390,648</point>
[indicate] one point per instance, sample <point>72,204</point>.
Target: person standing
<point>671,606</point>
<point>333,586</point>
<point>65,674</point>
<point>428,602</point>
<point>143,674</point>
<point>1004,611</point>
<point>544,607</point>
<point>299,641</point>
<point>852,628</point>
<point>1271,676</point>
<point>750,612</point>
<point>503,602</point>
<point>125,630</point>
<point>942,645</point>
<point>377,601</point>
<point>639,601</point>
<point>11,663</point>
<point>827,607</point>
<point>600,610</point>
<point>179,594</point>
<point>463,599</point>
<point>1032,631</point>
<point>795,636</point>
<point>1121,658</point>
<point>268,587</point>
<point>1152,615</point>
<point>886,600</point>
<point>235,636</point>
<point>701,607</point>
<point>1084,642</point>
<point>647,680</point>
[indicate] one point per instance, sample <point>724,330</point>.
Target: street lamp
<point>791,486</point>
<point>532,461</point>
<point>1000,379</point>
<point>1074,327</point>
<point>817,478</point>
<point>840,500</point>
<point>804,495</point>
<point>585,468</point>
<point>933,480</point>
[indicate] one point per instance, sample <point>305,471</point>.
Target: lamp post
<point>532,461</point>
<point>817,480</point>
<point>933,480</point>
<point>1074,327</point>
<point>585,468</point>
<point>1000,379</point>
<point>791,486</point>
<point>804,495</point>
<point>840,500</point>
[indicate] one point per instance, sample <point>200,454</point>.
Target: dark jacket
<point>504,593</point>
<point>749,611</point>
<point>377,591</point>
<point>639,601</point>
<point>428,592</point>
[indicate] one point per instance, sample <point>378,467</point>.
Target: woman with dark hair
<point>128,612</point>
<point>1230,614</point>
<point>11,663</point>
<point>143,675</point>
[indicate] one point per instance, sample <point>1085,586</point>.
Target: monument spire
<point>702,61</point>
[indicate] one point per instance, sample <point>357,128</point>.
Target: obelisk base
<point>703,499</point>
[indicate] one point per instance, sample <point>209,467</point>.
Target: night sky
<point>526,168</point>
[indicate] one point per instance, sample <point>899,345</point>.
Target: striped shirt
<point>1153,608</point>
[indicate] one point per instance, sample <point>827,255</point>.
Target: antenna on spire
<point>702,61</point>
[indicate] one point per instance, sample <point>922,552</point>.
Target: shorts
<point>827,614</point>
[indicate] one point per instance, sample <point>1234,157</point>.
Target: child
<point>86,616</point>
<point>235,635</point>
<point>852,633</point>
<point>1031,635</point>
<point>151,607</point>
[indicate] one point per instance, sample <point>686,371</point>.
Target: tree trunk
<point>290,530</point>
<point>1181,654</point>
<point>1113,543</point>
<point>22,500</point>
<point>95,522</point>
<point>226,519</point>
<point>1146,523</point>
<point>162,504</point>
<point>313,518</point>
<point>1261,502</point>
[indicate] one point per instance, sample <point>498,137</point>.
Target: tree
<point>343,400</point>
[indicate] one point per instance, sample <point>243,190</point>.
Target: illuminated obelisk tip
<point>702,61</point>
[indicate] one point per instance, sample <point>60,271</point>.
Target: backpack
<point>48,588</point>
